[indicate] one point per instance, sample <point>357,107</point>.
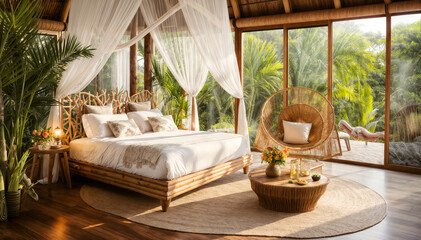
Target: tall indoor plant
<point>30,68</point>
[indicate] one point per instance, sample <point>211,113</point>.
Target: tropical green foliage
<point>307,58</point>
<point>169,91</point>
<point>30,68</point>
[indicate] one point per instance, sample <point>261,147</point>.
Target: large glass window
<point>307,58</point>
<point>262,72</point>
<point>359,83</point>
<point>405,91</point>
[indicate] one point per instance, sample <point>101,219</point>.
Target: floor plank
<point>61,214</point>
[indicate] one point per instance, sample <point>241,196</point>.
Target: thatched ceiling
<point>57,10</point>
<point>257,8</point>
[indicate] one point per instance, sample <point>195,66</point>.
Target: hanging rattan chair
<point>299,105</point>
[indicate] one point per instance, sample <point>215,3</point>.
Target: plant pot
<point>3,206</point>
<point>13,203</point>
<point>273,170</point>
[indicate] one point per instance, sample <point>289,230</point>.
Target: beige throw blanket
<point>143,154</point>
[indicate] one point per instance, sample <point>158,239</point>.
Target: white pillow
<point>95,125</point>
<point>296,133</point>
<point>141,119</point>
<point>124,128</point>
<point>163,124</point>
<point>107,109</point>
<point>140,106</point>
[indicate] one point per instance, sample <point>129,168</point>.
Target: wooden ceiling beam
<point>236,9</point>
<point>65,11</point>
<point>50,25</point>
<point>287,6</point>
<point>338,3</point>
<point>366,11</point>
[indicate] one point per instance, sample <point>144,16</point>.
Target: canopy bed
<point>195,28</point>
<point>188,159</point>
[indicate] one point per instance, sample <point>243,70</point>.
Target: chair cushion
<point>343,135</point>
<point>295,132</point>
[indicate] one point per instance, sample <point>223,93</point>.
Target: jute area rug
<point>229,206</point>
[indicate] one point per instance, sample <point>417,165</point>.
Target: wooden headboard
<point>73,107</point>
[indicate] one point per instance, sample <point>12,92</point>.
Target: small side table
<point>278,194</point>
<point>64,163</point>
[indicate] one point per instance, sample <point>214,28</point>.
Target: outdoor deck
<point>372,153</point>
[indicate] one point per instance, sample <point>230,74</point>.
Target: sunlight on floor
<point>93,225</point>
<point>372,153</point>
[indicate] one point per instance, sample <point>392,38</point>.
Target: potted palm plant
<point>30,66</point>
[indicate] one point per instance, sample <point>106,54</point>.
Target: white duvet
<point>188,152</point>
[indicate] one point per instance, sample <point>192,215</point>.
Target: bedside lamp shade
<point>58,133</point>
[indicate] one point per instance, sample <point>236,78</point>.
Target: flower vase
<point>13,203</point>
<point>273,170</point>
<point>44,145</point>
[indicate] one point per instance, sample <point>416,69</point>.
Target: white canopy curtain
<point>177,48</point>
<point>100,24</point>
<point>209,24</point>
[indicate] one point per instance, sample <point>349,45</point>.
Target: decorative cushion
<point>163,124</point>
<point>296,133</point>
<point>107,109</point>
<point>124,128</point>
<point>141,119</point>
<point>140,106</point>
<point>95,125</point>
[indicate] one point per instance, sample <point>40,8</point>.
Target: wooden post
<point>96,80</point>
<point>193,114</point>
<point>133,57</point>
<point>147,67</point>
<point>329,61</point>
<point>65,11</point>
<point>239,54</point>
<point>387,90</point>
<point>285,64</point>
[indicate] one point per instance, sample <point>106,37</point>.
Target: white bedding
<point>188,152</point>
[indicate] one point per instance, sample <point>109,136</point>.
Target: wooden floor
<point>372,152</point>
<point>61,214</point>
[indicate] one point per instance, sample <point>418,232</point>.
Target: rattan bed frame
<point>71,111</point>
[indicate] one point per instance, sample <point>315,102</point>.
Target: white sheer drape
<point>100,24</point>
<point>176,46</point>
<point>116,72</point>
<point>208,21</point>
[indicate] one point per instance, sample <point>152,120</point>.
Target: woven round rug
<point>229,206</point>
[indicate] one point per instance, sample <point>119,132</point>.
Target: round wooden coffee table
<point>279,195</point>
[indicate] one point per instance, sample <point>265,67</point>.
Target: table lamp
<point>58,133</point>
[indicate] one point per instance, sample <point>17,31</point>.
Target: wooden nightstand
<point>64,163</point>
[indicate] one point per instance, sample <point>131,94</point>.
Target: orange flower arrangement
<point>42,135</point>
<point>275,155</point>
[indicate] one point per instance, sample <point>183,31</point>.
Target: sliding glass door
<point>405,92</point>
